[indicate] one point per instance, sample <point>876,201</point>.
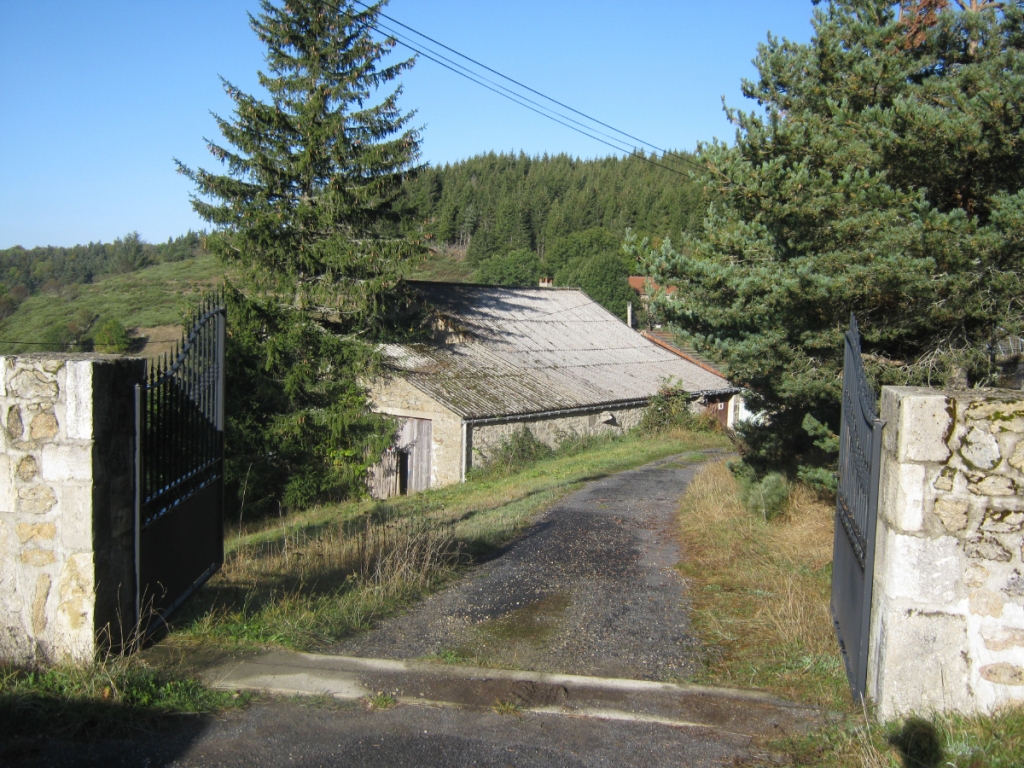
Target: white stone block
<point>76,599</point>
<point>922,665</point>
<point>980,449</point>
<point>30,384</point>
<point>8,496</point>
<point>903,494</point>
<point>78,421</point>
<point>924,426</point>
<point>63,463</point>
<point>75,530</point>
<point>923,570</point>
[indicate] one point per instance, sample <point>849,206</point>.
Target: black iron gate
<point>179,466</point>
<point>860,446</point>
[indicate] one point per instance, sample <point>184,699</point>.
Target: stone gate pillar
<point>67,581</point>
<point>947,614</point>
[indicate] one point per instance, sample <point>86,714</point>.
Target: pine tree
<point>306,211</point>
<point>883,175</point>
<point>312,175</point>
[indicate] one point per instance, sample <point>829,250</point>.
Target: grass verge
<point>103,700</point>
<point>312,578</point>
<point>760,597</point>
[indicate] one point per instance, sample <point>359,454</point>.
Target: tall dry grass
<point>760,590</point>
<point>380,550</point>
<point>312,585</point>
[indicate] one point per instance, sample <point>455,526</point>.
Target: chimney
<point>547,282</point>
<point>629,313</point>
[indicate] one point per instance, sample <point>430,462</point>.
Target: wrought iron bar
<point>183,417</point>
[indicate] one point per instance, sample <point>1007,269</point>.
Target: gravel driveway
<point>589,589</point>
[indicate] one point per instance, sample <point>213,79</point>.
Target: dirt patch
<point>533,623</point>
<point>155,342</point>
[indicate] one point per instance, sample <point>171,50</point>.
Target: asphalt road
<point>303,733</point>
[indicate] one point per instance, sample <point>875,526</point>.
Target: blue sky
<point>97,97</point>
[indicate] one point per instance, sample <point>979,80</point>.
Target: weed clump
<point>571,443</point>
<point>316,585</point>
<point>671,409</point>
<point>946,739</point>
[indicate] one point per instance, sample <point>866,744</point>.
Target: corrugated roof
<point>672,343</point>
<point>531,350</point>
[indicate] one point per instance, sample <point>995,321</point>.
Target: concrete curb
<point>728,710</point>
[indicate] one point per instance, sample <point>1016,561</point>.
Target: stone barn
<point>551,359</point>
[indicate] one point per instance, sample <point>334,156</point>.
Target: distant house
<point>727,414</point>
<point>551,359</point>
<point>644,288</point>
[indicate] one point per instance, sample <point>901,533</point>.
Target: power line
<point>528,88</point>
<point>516,99</point>
<point>469,75</point>
<point>476,77</point>
<point>69,346</point>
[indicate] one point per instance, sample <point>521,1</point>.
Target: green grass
<point>938,741</point>
<point>315,577</point>
<point>144,299</point>
<point>101,700</point>
<point>381,701</point>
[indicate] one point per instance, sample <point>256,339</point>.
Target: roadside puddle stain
<point>533,623</point>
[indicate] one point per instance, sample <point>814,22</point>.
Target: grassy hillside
<point>143,299</point>
<point>441,266</point>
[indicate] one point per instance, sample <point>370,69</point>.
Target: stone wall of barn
<point>485,438</point>
<point>947,616</point>
<point>67,582</point>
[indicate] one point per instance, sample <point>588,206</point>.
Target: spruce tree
<point>305,211</point>
<point>883,174</point>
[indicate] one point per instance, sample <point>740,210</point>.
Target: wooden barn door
<point>416,441</point>
<point>404,468</point>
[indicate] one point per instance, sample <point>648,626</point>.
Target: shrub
<point>821,480</point>
<point>768,496</point>
<point>112,338</point>
<point>520,267</point>
<point>519,449</point>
